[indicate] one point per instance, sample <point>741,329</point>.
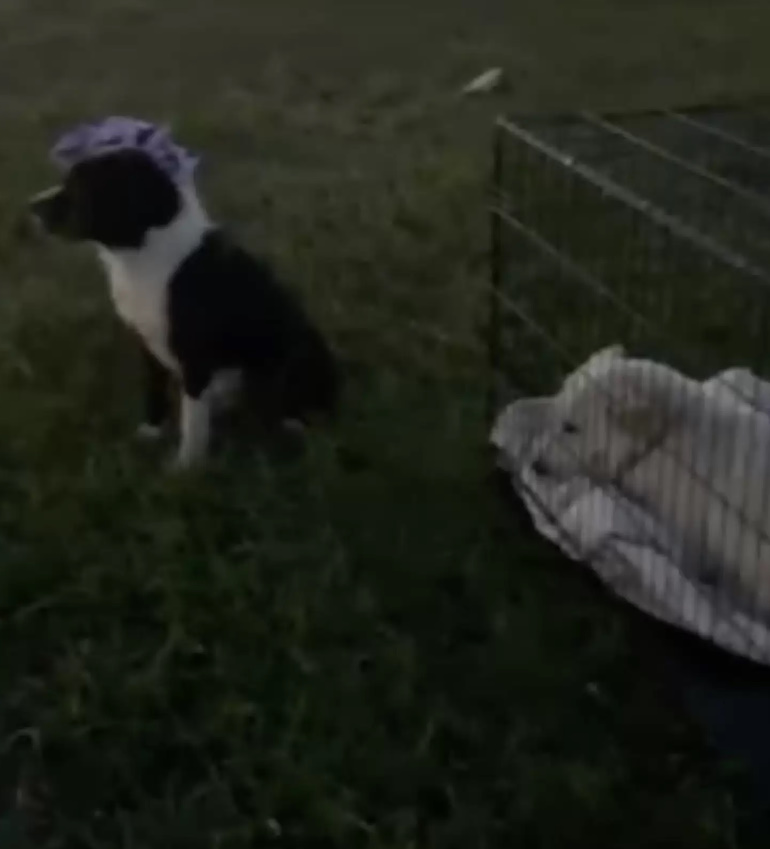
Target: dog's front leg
<point>155,397</point>
<point>194,420</point>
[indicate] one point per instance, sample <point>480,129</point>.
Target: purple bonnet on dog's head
<point>86,141</point>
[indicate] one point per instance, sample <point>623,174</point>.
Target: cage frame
<point>501,298</point>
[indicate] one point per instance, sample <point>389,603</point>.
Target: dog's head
<point>608,411</point>
<point>112,199</point>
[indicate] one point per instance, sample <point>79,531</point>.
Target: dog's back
<point>697,460</point>
<point>228,309</point>
<point>709,479</point>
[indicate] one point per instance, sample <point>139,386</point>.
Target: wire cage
<point>651,230</point>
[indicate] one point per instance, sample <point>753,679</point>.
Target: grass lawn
<point>304,654</point>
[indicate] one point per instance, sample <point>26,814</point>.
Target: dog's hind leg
<point>156,400</point>
<point>194,419</point>
<point>224,390</point>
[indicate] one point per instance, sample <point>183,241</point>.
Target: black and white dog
<point>207,312</point>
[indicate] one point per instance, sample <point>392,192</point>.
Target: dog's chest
<point>140,298</point>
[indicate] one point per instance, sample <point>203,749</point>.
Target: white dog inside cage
<point>692,459</point>
<point>697,460</point>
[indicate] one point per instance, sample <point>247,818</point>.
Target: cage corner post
<point>494,324</point>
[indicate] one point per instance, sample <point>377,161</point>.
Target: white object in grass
<point>490,80</point>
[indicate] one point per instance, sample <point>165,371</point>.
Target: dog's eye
<point>569,427</point>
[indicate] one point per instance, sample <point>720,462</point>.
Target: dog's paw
<point>147,432</point>
<point>185,462</point>
<point>179,465</point>
<point>224,392</point>
<point>294,427</point>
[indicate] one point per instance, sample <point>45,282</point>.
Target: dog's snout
<point>41,203</point>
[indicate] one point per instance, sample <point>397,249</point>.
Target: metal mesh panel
<point>651,230</point>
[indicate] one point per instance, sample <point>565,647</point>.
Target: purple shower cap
<point>118,133</point>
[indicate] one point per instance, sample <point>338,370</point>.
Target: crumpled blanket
<point>629,549</point>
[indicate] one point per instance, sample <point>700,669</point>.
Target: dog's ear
<point>604,356</point>
<point>645,398</point>
<point>592,369</point>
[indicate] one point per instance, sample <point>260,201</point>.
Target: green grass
<point>301,654</point>
<point>609,274</point>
